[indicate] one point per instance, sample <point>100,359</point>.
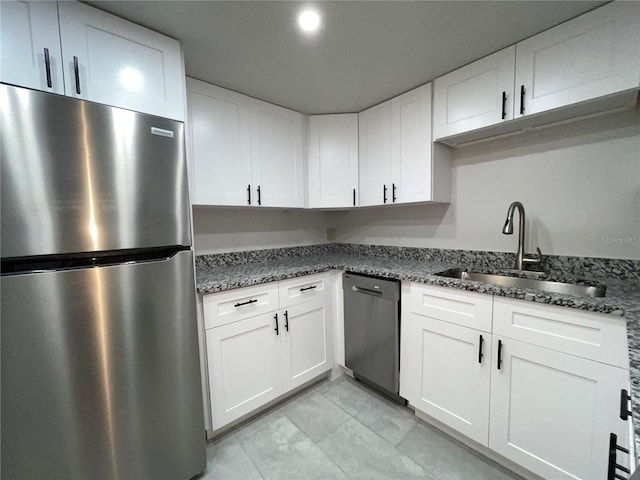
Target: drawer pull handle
<point>47,67</point>
<point>249,194</point>
<point>393,192</point>
<point>308,288</point>
<point>625,413</point>
<point>480,355</point>
<point>504,105</point>
<point>354,197</point>
<point>499,354</point>
<point>384,194</point>
<point>613,463</point>
<point>286,320</point>
<point>276,329</point>
<point>240,304</point>
<point>522,99</point>
<point>259,196</point>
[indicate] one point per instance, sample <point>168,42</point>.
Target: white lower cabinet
<point>244,367</point>
<point>306,342</point>
<point>446,370</point>
<point>544,400</point>
<point>253,356</point>
<point>552,412</point>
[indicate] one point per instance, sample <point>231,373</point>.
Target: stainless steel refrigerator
<point>100,373</point>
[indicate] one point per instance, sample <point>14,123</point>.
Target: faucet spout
<point>508,230</point>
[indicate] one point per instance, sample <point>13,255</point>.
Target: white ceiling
<point>366,52</point>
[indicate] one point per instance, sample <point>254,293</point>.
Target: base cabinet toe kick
<point>541,386</point>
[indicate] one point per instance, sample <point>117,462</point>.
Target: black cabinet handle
<point>276,329</point>
<point>47,67</point>
<point>245,303</point>
<point>76,71</point>
<point>384,194</point>
<point>286,320</point>
<point>504,105</point>
<point>499,354</point>
<point>304,289</point>
<point>249,194</point>
<point>393,192</point>
<point>480,355</point>
<point>259,196</point>
<point>625,413</point>
<point>613,461</point>
<point>354,197</point>
<point>521,99</point>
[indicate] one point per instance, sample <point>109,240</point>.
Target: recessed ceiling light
<point>309,21</point>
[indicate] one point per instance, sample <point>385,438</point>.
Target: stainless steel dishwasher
<point>372,331</point>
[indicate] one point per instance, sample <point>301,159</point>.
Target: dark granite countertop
<point>217,273</point>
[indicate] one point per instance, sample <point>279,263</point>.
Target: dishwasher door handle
<point>366,291</point>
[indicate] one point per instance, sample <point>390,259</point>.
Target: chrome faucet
<point>521,258</point>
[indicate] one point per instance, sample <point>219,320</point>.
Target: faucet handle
<point>536,260</point>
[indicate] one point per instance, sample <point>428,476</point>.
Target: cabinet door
<point>243,359</point>
<point>374,127</point>
<point>411,146</point>
<point>220,150</point>
<point>472,96</point>
<point>553,413</point>
<point>307,349</point>
<point>120,63</point>
<point>276,151</point>
<point>333,160</point>
<point>588,57</point>
<point>445,373</point>
<point>27,30</point>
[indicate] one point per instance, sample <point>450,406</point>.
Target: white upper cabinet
<point>110,60</point>
<point>277,155</point>
<point>591,56</point>
<point>398,162</point>
<point>374,126</point>
<point>243,151</point>
<point>219,145</point>
<point>30,53</point>
<point>412,172</point>
<point>72,49</point>
<point>333,160</point>
<point>475,96</point>
<point>585,66</point>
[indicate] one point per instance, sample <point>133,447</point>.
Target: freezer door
<point>100,374</point>
<point>79,177</point>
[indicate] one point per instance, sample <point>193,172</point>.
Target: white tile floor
<point>342,429</point>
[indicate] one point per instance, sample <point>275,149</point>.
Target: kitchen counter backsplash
<point>589,267</point>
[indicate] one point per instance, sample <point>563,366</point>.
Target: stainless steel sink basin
<point>579,289</point>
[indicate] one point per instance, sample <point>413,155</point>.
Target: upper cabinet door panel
<point>27,30</point>
<point>120,63</point>
<point>219,148</point>
<point>588,57</point>
<point>475,96</point>
<point>333,160</point>
<point>276,151</point>
<point>374,126</point>
<point>411,146</point>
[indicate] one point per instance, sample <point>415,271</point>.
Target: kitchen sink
<point>533,280</point>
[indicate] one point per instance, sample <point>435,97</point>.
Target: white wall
<point>228,229</point>
<point>579,183</point>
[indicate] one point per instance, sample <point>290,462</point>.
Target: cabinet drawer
<point>468,309</point>
<point>302,289</point>
<point>227,307</point>
<point>598,337</point>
